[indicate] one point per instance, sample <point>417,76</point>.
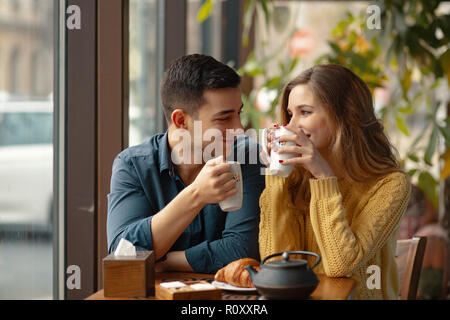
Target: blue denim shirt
<point>144,181</point>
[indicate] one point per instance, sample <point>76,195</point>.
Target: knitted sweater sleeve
<point>343,246</point>
<point>280,228</point>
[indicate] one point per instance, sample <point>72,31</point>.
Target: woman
<point>346,194</point>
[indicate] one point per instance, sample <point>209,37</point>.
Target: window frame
<point>94,82</point>
<point>96,85</point>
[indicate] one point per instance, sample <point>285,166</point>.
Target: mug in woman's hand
<point>274,165</point>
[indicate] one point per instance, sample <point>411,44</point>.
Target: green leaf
<point>418,137</point>
<point>431,146</point>
<point>205,10</point>
<point>413,157</point>
<point>427,34</point>
<point>406,81</point>
<point>444,60</point>
<point>252,67</point>
<point>389,52</point>
<point>429,185</point>
<point>352,38</point>
<point>412,172</point>
<point>350,17</point>
<point>334,46</point>
<point>282,67</point>
<point>293,64</point>
<point>401,125</point>
<point>273,82</point>
<point>445,172</point>
<point>265,10</point>
<point>401,60</point>
<point>446,134</point>
<point>406,110</point>
<point>248,17</point>
<point>340,28</point>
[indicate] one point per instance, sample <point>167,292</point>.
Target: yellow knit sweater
<point>352,226</point>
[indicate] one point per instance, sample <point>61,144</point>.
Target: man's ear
<point>179,119</point>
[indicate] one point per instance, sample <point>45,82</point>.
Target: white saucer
<point>229,287</point>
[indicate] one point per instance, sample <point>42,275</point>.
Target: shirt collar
<point>164,153</point>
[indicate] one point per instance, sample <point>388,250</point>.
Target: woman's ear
<point>179,119</point>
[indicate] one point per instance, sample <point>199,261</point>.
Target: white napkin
<point>125,248</point>
<point>173,284</point>
<point>202,286</point>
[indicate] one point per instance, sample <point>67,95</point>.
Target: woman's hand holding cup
<point>305,153</point>
<point>263,154</point>
<point>270,155</point>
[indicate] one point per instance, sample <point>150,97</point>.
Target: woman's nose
<point>292,122</point>
<point>296,122</point>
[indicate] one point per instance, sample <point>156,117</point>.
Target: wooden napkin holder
<point>129,276</point>
<point>188,293</point>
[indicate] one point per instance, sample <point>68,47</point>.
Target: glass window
<point>144,63</point>
<point>26,149</point>
<point>14,71</point>
<point>21,128</point>
<point>204,37</point>
<point>146,59</point>
<point>34,81</point>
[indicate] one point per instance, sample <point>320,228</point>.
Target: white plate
<point>229,287</point>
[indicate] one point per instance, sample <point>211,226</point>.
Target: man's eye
<point>223,119</point>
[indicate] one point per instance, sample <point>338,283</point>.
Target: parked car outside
<point>26,164</point>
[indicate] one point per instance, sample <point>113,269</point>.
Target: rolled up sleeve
<point>129,211</point>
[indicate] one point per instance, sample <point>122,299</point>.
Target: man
<point>170,206</point>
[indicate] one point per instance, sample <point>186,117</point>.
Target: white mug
<point>234,202</point>
<point>275,167</point>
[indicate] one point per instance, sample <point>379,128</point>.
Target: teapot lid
<point>286,262</point>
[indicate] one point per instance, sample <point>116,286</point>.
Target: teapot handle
<point>286,255</point>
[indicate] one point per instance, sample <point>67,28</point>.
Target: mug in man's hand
<point>275,167</point>
<point>234,202</point>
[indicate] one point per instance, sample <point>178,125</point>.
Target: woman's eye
<point>305,113</point>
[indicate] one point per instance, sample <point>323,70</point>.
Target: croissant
<point>235,274</point>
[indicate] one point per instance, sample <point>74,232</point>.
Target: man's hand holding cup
<point>217,182</point>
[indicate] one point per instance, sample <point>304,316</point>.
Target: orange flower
<point>344,46</point>
<point>362,45</point>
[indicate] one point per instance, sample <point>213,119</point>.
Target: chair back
<point>409,258</point>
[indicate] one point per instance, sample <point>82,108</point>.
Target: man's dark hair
<point>188,77</point>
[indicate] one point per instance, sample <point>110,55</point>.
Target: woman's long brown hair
<point>359,147</point>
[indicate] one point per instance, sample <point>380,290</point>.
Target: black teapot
<point>285,279</point>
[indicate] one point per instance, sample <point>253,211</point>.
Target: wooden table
<point>328,288</point>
